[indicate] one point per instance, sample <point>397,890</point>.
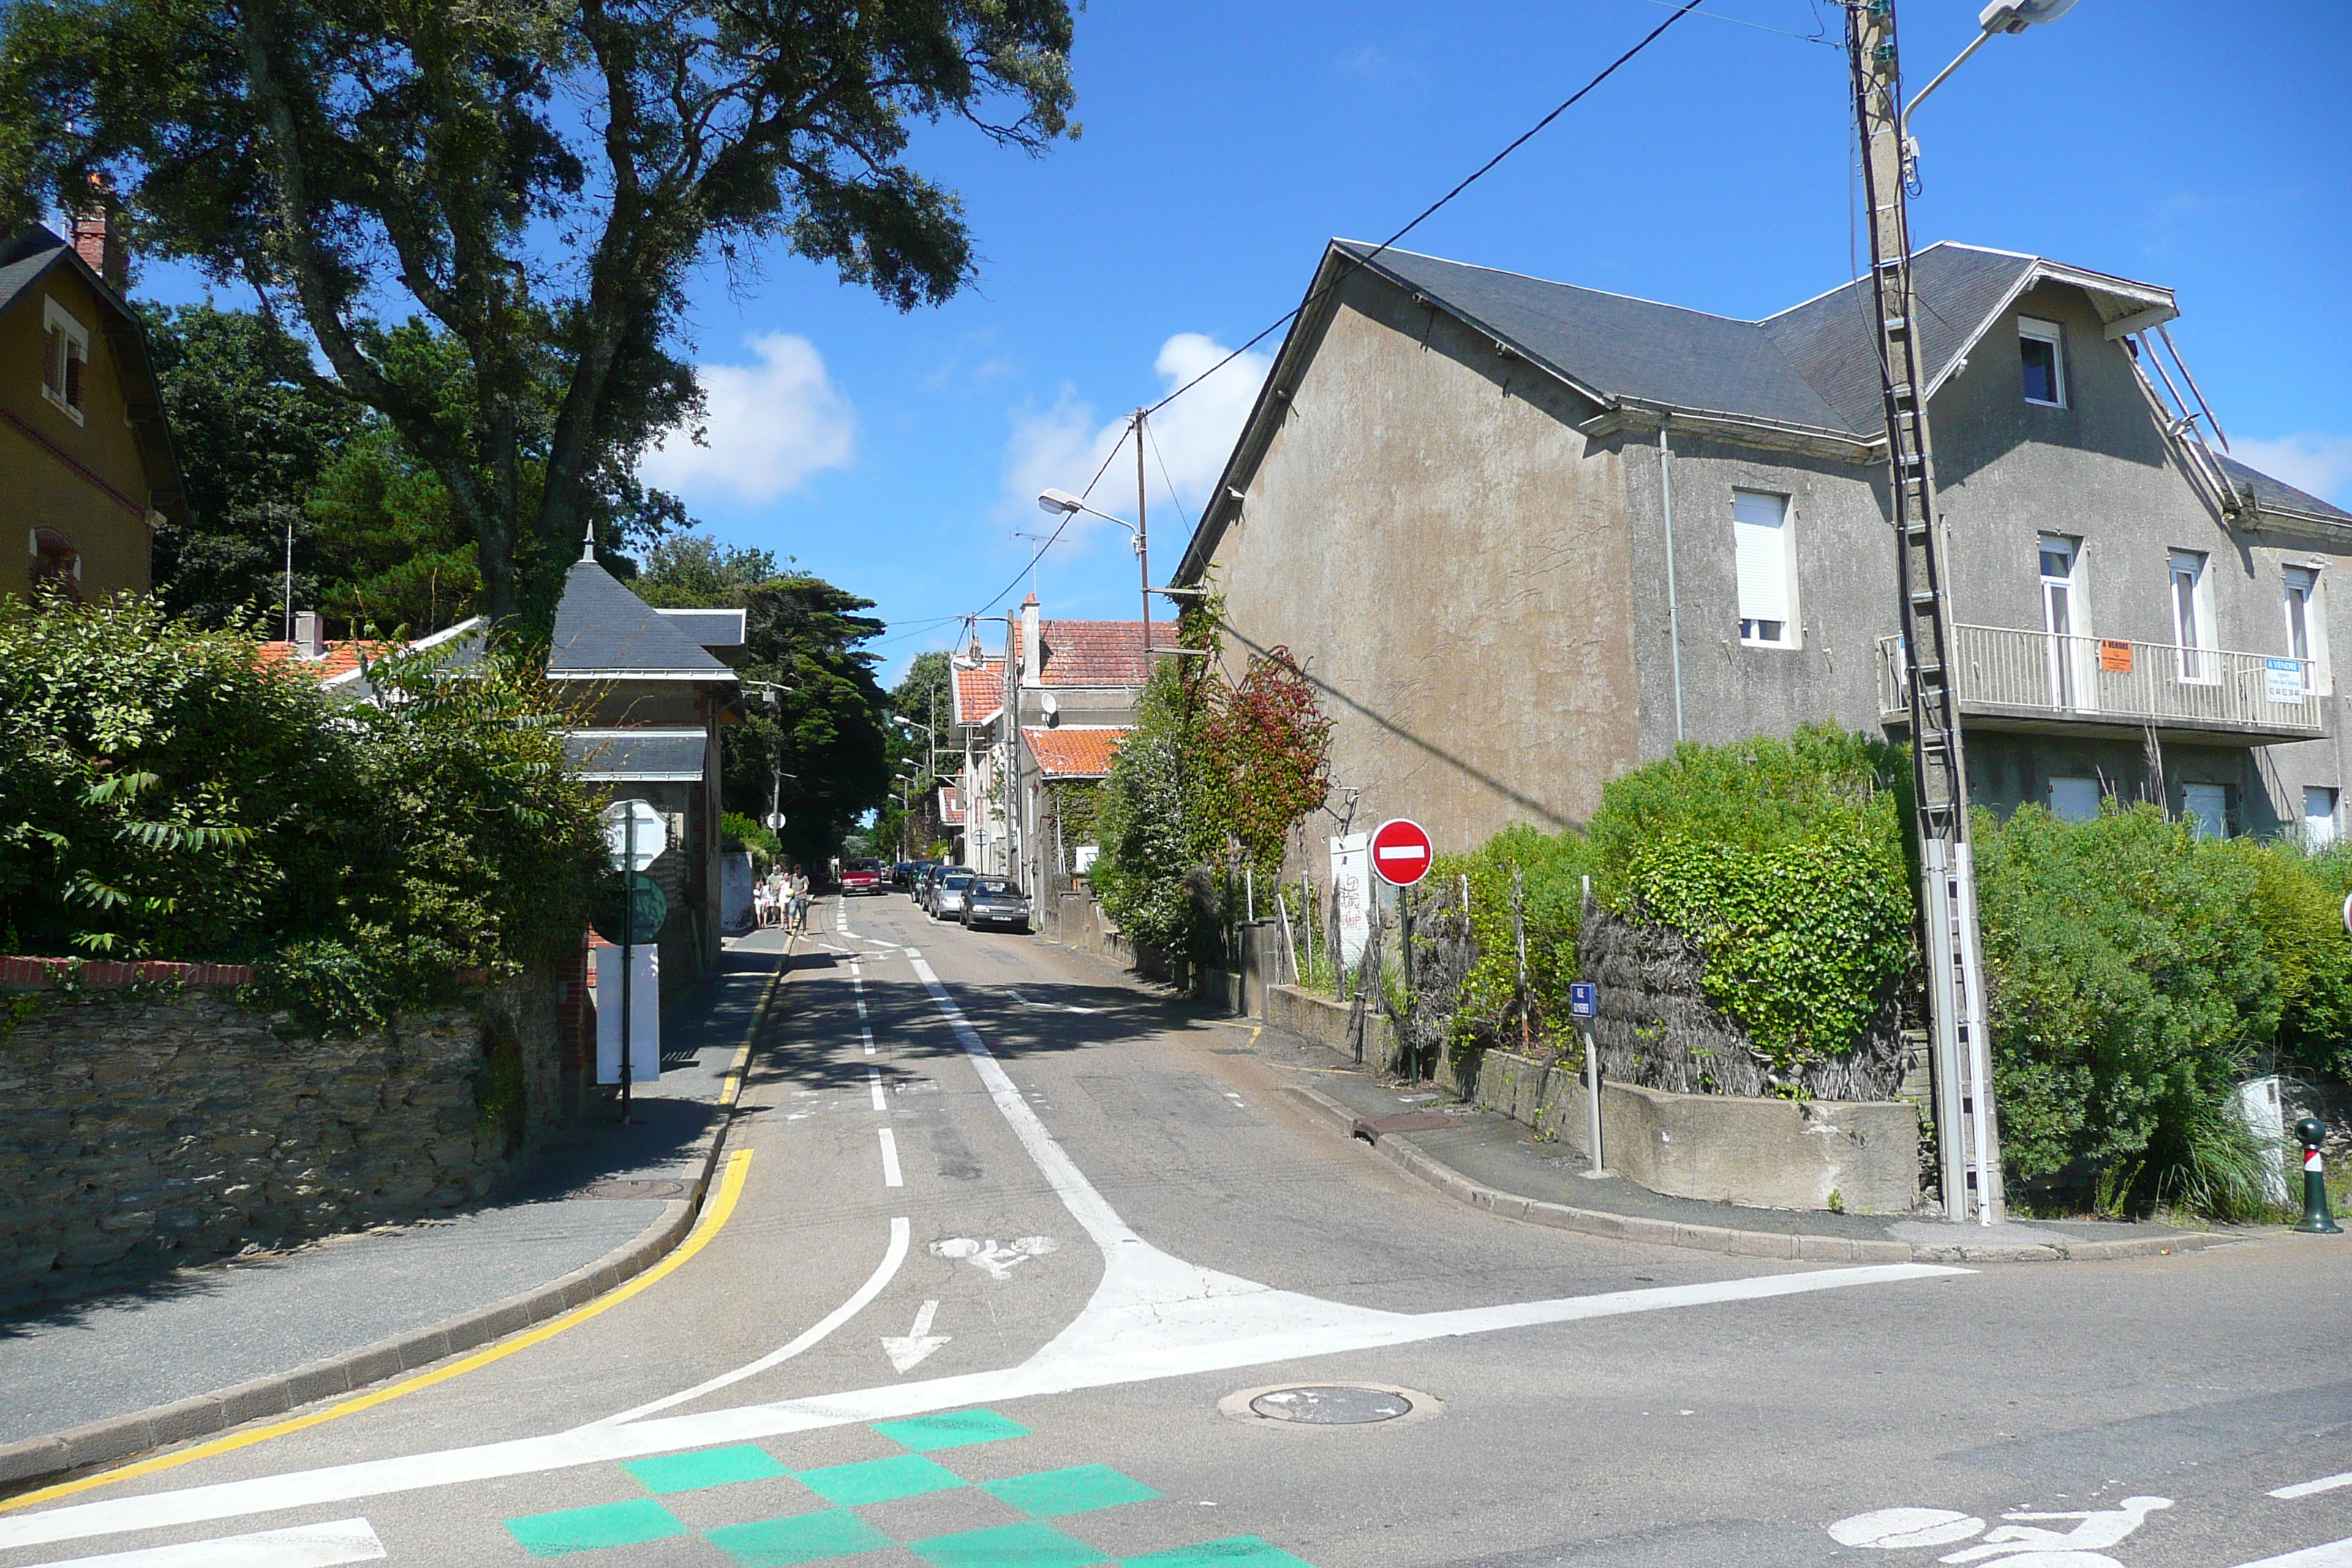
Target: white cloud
<point>1062,446</point>
<point>2319,464</point>
<point>770,425</point>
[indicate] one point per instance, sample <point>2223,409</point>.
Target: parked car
<point>947,895</point>
<point>919,877</point>
<point>902,873</point>
<point>994,901</point>
<point>863,875</point>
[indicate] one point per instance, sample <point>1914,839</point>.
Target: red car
<point>863,877</point>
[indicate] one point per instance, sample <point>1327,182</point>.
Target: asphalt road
<point>998,1292</point>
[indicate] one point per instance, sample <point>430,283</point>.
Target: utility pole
<point>1965,1136</point>
<point>1142,544</point>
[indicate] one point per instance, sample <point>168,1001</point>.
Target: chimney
<point>310,635</point>
<point>98,236</point>
<point>1031,667</point>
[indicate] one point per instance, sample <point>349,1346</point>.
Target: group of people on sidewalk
<point>781,898</point>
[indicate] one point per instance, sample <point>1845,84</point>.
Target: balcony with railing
<point>2084,685</point>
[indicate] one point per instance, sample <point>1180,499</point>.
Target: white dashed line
<point>2311,1488</point>
<point>890,1177</point>
<point>874,1078</point>
<point>867,1035</point>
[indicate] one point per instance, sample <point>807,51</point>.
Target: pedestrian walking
<point>762,904</point>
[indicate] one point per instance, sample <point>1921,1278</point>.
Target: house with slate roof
<point>654,689</point>
<point>1526,536</point>
<point>87,472</point>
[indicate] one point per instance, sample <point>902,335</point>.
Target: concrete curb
<point>120,1437</point>
<point>1399,1149</point>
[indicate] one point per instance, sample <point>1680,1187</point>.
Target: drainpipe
<point>1673,607</point>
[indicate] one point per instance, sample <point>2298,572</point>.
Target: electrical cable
<point>1354,262</point>
<point>1475,176</point>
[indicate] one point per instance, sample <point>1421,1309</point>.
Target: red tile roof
<point>978,692</point>
<point>950,806</point>
<point>340,656</point>
<point>1074,753</point>
<point>1098,653</point>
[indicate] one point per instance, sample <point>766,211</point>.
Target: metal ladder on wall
<point>1966,1139</point>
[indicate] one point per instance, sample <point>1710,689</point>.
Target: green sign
<point>644,912</point>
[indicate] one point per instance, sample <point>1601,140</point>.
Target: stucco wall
<point>1427,537</point>
<point>40,488</point>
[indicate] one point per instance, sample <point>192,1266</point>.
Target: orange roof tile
<point>950,806</point>
<point>1098,653</point>
<point>978,692</point>
<point>340,656</point>
<point>1075,754</point>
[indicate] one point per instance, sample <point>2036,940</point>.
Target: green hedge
<point>163,795</point>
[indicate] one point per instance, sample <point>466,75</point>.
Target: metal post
<point>1674,604</point>
<point>1593,1101</point>
<point>1966,1133</point>
<point>628,941</point>
<point>1142,544</point>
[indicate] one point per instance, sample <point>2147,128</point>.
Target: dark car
<point>994,901</point>
<point>947,894</point>
<point>918,877</point>
<point>902,873</point>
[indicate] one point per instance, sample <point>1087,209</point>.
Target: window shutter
<point>1760,540</point>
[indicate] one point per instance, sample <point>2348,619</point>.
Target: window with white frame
<point>2306,626</point>
<point>65,356</point>
<point>2041,349</point>
<point>2192,615</point>
<point>1764,555</point>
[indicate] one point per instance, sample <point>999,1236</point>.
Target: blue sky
<point>2201,146</point>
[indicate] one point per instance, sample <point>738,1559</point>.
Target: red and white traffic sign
<point>1401,852</point>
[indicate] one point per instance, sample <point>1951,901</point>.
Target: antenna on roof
<point>588,548</point>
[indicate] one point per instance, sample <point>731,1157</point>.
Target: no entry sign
<point>1401,852</point>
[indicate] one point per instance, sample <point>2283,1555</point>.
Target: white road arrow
<point>919,1342</point>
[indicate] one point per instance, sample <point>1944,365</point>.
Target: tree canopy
<point>530,183</point>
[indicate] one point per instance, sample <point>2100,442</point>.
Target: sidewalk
<point>1494,1162</point>
<point>118,1371</point>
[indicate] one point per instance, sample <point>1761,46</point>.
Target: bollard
<point>2316,1220</point>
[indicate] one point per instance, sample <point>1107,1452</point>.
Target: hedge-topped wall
<point>154,1126</point>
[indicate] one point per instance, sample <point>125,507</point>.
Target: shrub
<point>2128,972</point>
<point>1551,871</point>
<point>163,796</point>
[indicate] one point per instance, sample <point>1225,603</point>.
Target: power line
<point>1288,316</point>
<point>1475,176</point>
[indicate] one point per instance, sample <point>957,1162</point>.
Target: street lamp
<point>1063,504</point>
<point>2000,16</point>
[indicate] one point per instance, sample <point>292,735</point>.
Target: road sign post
<point>637,835</point>
<point>1584,1005</point>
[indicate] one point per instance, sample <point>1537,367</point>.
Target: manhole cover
<point>640,1188</point>
<point>1329,1405</point>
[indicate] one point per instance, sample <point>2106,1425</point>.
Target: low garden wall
<point>150,1118</point>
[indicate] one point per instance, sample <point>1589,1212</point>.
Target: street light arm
<point>1921,96</point>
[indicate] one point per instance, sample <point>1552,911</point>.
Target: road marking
<point>890,1177</point>
<point>874,1081</point>
<point>1153,1316</point>
<point>714,1216</point>
<point>2311,1488</point>
<point>304,1546</point>
<point>893,1257</point>
<point>867,1035</point>
<point>904,1351</point>
<point>2333,1554</point>
<point>998,1260</point>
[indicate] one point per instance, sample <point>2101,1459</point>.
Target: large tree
<point>539,178</point>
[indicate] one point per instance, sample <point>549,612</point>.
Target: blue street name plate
<point>1583,1000</point>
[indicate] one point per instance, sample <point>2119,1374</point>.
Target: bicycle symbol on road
<point>2016,1545</point>
<point>998,1259</point>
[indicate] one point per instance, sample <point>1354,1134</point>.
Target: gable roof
<point>2278,498</point>
<point>979,693</point>
<point>1075,754</point>
<point>32,255</point>
<point>1098,653</point>
<point>1809,373</point>
<point>604,632</point>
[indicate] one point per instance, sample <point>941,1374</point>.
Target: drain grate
<point>640,1187</point>
<point>1329,1405</point>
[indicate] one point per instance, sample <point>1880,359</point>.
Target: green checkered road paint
<point>594,1529</point>
<point>834,1532</point>
<point>1051,1494</point>
<point>803,1538</point>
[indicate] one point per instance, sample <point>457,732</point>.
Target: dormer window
<point>65,358</point>
<point>2041,347</point>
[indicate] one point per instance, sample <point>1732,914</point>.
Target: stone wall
<point>150,1125</point>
